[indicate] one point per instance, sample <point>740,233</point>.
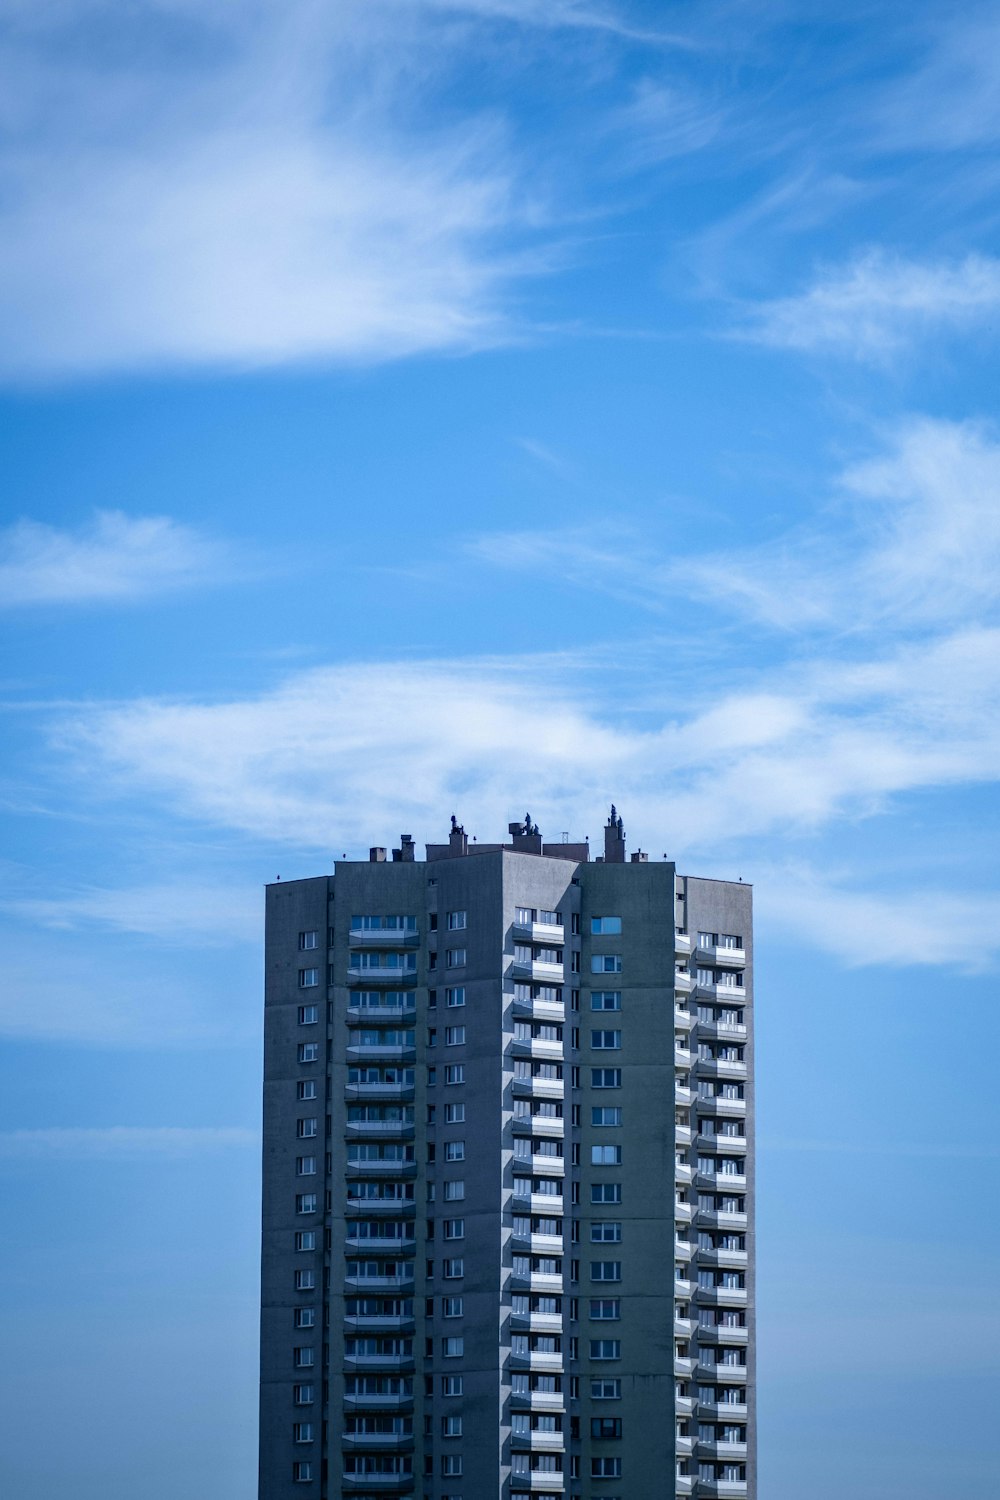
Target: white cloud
<point>243,186</point>
<point>118,994</point>
<point>950,101</point>
<point>112,558</point>
<point>182,912</point>
<point>912,542</point>
<point>861,927</point>
<point>877,305</point>
<point>338,753</point>
<point>123,1142</point>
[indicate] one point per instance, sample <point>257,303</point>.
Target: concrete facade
<point>508,1180</point>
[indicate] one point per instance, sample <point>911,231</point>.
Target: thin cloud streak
<point>123,1142</point>
<point>877,306</point>
<point>112,559</point>
<point>901,529</point>
<point>285,214</point>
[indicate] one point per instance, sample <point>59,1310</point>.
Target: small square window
<point>308,1052</point>
<point>454,1150</point>
<point>452,1307</point>
<point>455,958</point>
<point>454,1073</point>
<point>305,1166</point>
<point>456,921</point>
<point>605,963</point>
<point>454,1114</point>
<point>452,1385</point>
<point>606,926</point>
<point>308,940</point>
<point>303,1395</point>
<point>308,978</point>
<point>455,997</point>
<point>305,1317</point>
<point>306,1203</point>
<point>454,1191</point>
<point>307,1088</point>
<point>453,1269</point>
<point>605,1156</point>
<point>451,1427</point>
<point>307,1127</point>
<point>308,1015</point>
<point>302,1473</point>
<point>305,1239</point>
<point>454,1229</point>
<point>453,1348</point>
<point>454,1036</point>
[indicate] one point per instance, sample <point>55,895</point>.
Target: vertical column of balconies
<point>377,1439</point>
<point>715,1402</point>
<point>538,1130</point>
<point>684,1210</point>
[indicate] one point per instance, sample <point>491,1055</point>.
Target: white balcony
<point>539,1125</point>
<point>723,1030</point>
<point>396,1401</point>
<point>683,1367</point>
<point>709,1218</point>
<point>722,1489</point>
<point>541,1479</point>
<point>393,1130</point>
<point>401,1249</point>
<point>683,1095</point>
<point>373,1052</point>
<point>737,1338</point>
<point>543,1048</point>
<point>683,1213</point>
<point>537,971</point>
<point>734,1452</point>
<point>735,1145</point>
<point>684,1485</point>
<point>547,1401</point>
<point>682,1057</point>
<point>683,1019</point>
<point>682,942</point>
<point>720,1105</point>
<point>722,1411</point>
<point>381,1015</point>
<point>538,1088</point>
<point>682,1135</point>
<point>380,976</point>
<point>722,1182</point>
<point>683,1446</point>
<point>720,992</point>
<point>540,1010</point>
<point>721,1067</point>
<point>390,938</point>
<point>377,1442</point>
<point>683,1171</point>
<point>683,982</point>
<point>540,932</point>
<point>721,957</point>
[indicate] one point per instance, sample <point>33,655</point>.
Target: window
<point>605,1348</point>
<point>454,1036</point>
<point>308,978</point>
<point>605,1041</point>
<point>452,1385</point>
<point>605,1270</point>
<point>605,1428</point>
<point>605,999</point>
<point>451,1427</point>
<point>454,1151</point>
<point>606,1115</point>
<point>303,1357</point>
<point>305,1239</point>
<point>455,997</point>
<point>384,924</point>
<point>456,921</point>
<point>452,1307</point>
<point>451,1465</point>
<point>605,963</point>
<point>606,1390</point>
<point>453,1269</point>
<point>605,1468</point>
<point>606,1309</point>
<point>308,1015</point>
<point>606,926</point>
<point>306,1128</point>
<point>452,1348</point>
<point>605,1078</point>
<point>454,1191</point>
<point>305,1166</point>
<point>606,1232</point>
<point>454,1073</point>
<point>605,1156</point>
<point>307,1088</point>
<point>455,958</point>
<point>454,1114</point>
<point>308,1052</point>
<point>302,1473</point>
<point>303,1395</point>
<point>305,1317</point>
<point>302,1432</point>
<point>605,1192</point>
<point>306,1203</point>
<point>308,940</point>
<point>454,1229</point>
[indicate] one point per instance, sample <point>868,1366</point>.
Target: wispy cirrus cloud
<point>123,1142</point>
<point>183,911</point>
<point>877,305</point>
<point>113,558</point>
<point>245,186</point>
<point>885,550</point>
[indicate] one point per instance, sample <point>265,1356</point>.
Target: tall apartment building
<point>508,1178</point>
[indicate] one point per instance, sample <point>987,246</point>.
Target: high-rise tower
<point>508,1178</point>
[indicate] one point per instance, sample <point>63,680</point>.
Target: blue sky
<point>459,406</point>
